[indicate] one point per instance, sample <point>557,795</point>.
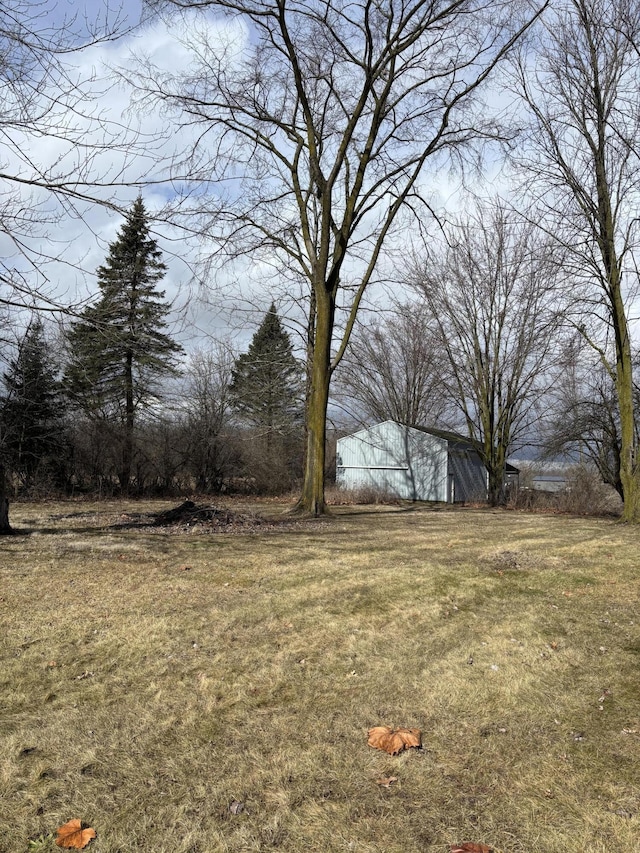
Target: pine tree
<point>266,381</point>
<point>266,393</point>
<point>119,349</point>
<point>32,409</point>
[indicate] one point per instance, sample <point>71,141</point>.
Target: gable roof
<point>447,435</point>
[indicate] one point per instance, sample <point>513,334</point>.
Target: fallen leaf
<point>470,847</point>
<point>394,741</point>
<point>73,835</point>
<point>386,781</point>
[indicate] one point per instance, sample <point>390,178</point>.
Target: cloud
<point>108,144</point>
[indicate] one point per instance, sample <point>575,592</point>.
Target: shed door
<point>451,489</point>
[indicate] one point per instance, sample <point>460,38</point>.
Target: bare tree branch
<point>582,154</point>
<point>318,119</point>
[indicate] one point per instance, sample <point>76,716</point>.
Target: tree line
<point>118,408</point>
<point>114,409</point>
<point>314,131</point>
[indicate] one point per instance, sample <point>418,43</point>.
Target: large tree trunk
<point>496,491</point>
<point>629,473</point>
<point>629,470</point>
<point>312,501</point>
<point>5,527</point>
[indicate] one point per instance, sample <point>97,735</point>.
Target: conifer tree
<point>266,381</point>
<point>119,348</point>
<point>266,394</point>
<point>32,408</point>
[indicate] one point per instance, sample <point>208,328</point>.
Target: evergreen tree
<point>266,393</point>
<point>119,349</point>
<point>32,410</point>
<point>266,381</point>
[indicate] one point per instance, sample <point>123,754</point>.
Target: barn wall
<point>467,476</point>
<point>401,461</point>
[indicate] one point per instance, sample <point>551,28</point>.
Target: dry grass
<point>150,699</point>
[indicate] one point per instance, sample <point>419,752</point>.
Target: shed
<point>413,463</point>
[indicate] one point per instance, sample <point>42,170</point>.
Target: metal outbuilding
<point>412,463</point>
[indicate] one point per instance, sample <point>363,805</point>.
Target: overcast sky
<point>83,243</point>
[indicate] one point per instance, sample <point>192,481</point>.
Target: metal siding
<point>469,475</point>
<point>396,459</point>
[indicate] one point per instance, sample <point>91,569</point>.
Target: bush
<point>584,494</point>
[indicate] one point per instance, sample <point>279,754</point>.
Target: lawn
<point>201,692</point>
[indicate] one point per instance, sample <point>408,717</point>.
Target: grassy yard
<point>196,693</point>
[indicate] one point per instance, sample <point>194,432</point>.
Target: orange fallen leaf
<point>470,847</point>
<point>72,835</point>
<point>394,741</point>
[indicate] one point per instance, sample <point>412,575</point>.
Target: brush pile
<point>189,515</point>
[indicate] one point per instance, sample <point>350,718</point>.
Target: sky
<point>134,138</point>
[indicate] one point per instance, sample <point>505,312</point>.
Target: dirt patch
<point>518,561</point>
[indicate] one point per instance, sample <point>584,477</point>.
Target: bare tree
<point>393,369</point>
<point>312,132</point>
<point>492,294</point>
<point>582,155</point>
<point>584,422</point>
<point>207,401</point>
